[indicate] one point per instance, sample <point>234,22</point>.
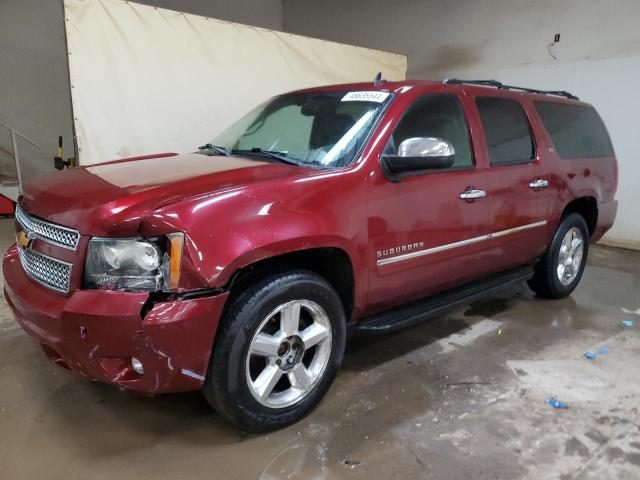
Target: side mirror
<point>418,154</point>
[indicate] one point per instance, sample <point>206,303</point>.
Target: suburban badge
<point>411,247</point>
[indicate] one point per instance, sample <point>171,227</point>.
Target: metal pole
<point>74,136</point>
<point>16,158</point>
<point>24,137</point>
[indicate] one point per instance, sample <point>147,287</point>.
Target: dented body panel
<point>95,333</point>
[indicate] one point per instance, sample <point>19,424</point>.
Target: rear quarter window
<point>576,130</point>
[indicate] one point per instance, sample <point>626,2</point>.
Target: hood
<point>111,198</point>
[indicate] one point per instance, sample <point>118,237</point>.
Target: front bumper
<point>95,333</point>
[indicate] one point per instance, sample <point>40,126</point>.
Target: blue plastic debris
<point>590,355</point>
<point>555,403</point>
<point>603,351</point>
<point>627,323</point>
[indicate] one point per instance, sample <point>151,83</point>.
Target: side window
<point>439,116</point>
<point>577,131</point>
<point>507,131</point>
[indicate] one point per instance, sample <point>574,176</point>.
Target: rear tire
<point>560,270</point>
<point>278,348</point>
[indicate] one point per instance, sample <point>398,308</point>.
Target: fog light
<point>137,365</point>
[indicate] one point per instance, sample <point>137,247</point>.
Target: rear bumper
<point>606,216</point>
<point>95,333</point>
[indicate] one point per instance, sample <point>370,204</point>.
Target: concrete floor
<point>450,399</point>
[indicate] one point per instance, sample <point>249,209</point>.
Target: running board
<point>405,316</point>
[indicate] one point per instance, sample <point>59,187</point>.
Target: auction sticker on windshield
<point>361,96</point>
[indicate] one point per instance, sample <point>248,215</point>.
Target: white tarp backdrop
<point>149,80</point>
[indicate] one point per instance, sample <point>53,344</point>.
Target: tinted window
<point>507,131</point>
<point>439,116</point>
<point>576,131</point>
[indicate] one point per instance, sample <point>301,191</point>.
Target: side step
<point>413,313</point>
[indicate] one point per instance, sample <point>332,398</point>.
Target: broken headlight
<point>134,264</point>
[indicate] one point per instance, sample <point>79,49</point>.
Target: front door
<point>427,232</point>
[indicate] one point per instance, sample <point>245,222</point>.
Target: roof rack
<point>502,86</point>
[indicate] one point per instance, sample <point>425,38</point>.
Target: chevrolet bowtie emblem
<point>24,238</point>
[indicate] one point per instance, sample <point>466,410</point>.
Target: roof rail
<point>502,86</point>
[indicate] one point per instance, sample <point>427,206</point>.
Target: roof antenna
<point>379,80</point>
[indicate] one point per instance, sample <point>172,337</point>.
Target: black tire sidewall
<point>228,363</point>
<point>557,289</point>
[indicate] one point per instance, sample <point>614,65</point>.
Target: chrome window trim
<point>462,243</point>
<point>22,251</point>
<point>26,221</point>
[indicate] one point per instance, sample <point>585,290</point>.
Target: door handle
<point>472,194</point>
<point>539,183</point>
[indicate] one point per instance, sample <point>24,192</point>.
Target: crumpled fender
<point>228,230</point>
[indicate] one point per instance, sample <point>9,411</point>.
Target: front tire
<point>561,268</point>
<point>278,348</point>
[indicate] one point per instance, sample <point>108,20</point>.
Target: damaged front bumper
<point>95,333</point>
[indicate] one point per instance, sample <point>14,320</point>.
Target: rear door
<point>518,181</point>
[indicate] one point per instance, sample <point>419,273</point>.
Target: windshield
<point>314,128</point>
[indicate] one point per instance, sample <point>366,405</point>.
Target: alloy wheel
<point>570,256</point>
<point>289,353</point>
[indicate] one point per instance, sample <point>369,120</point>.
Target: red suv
<point>241,269</point>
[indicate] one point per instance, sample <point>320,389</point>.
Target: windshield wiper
<point>218,150</point>
<point>283,157</point>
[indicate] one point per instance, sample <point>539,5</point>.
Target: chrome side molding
<point>462,243</point>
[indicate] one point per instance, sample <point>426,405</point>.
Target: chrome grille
<point>48,232</point>
<point>51,273</point>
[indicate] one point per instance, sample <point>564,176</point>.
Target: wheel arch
<point>332,263</point>
<point>587,207</point>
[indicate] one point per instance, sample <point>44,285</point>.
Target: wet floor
<point>451,399</point>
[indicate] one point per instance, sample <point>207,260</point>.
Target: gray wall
<point>440,37</point>
<point>34,86</point>
<point>34,83</point>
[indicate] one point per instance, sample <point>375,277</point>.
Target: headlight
<point>145,264</point>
